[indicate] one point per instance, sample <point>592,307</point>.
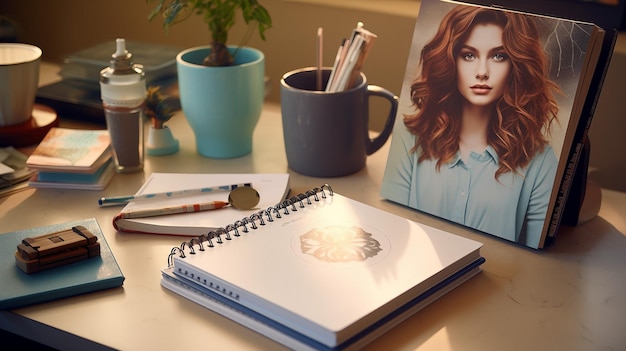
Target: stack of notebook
<point>320,271</point>
<point>77,95</point>
<point>72,159</point>
<point>14,175</point>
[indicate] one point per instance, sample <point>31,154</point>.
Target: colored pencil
<point>163,211</point>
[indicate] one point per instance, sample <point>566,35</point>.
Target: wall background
<point>62,27</point>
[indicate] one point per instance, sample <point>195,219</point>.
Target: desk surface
<point>571,296</point>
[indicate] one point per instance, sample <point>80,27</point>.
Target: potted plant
<point>159,109</point>
<point>221,86</point>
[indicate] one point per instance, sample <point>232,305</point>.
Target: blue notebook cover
<point>21,289</point>
<point>73,177</point>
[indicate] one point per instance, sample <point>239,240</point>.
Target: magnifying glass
<point>244,198</point>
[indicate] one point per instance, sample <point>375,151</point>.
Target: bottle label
<point>123,95</point>
<point>122,103</point>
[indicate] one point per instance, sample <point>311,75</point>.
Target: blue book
<point>73,177</point>
<point>21,289</point>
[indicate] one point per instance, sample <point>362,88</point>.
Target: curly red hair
<point>523,115</point>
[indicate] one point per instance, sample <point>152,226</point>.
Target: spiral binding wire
<point>251,222</point>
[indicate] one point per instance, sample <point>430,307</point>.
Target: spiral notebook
<point>320,270</point>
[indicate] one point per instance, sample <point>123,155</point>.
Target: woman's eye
<point>499,57</point>
<point>468,56</point>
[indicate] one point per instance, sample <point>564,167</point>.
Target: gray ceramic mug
<point>327,134</point>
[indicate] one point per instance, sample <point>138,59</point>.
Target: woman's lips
<point>480,89</point>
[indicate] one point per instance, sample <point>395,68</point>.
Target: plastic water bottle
<point>123,92</point>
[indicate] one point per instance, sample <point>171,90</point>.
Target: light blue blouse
<point>513,207</point>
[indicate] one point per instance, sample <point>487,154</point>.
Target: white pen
<point>336,64</point>
<point>120,200</point>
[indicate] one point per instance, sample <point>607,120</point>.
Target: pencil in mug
<point>121,200</point>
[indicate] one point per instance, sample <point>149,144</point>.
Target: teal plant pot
<point>222,104</point>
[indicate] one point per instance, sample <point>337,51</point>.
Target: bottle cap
<point>122,84</point>
<point>122,60</point>
<point>120,45</point>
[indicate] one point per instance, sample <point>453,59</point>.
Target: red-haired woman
<point>476,151</point>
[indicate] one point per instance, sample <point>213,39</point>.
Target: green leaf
<point>218,15</point>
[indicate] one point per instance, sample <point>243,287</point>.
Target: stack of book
<point>14,174</point>
<point>72,159</point>
<point>78,93</point>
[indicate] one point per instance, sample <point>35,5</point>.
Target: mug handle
<point>372,145</point>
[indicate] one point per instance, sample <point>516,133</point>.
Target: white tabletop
<point>571,296</point>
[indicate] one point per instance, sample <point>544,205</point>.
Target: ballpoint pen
<point>121,200</point>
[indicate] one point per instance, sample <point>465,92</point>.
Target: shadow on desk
<point>586,237</point>
<point>522,295</point>
<point>23,333</point>
<point>439,320</point>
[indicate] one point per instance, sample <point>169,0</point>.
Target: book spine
<point>581,134</point>
<point>563,191</point>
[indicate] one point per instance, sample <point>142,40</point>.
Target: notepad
<point>320,270</point>
<point>72,159</point>
<point>71,150</point>
<point>272,188</point>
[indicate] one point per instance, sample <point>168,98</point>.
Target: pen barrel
<point>114,200</point>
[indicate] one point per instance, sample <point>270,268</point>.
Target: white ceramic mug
<point>19,79</point>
